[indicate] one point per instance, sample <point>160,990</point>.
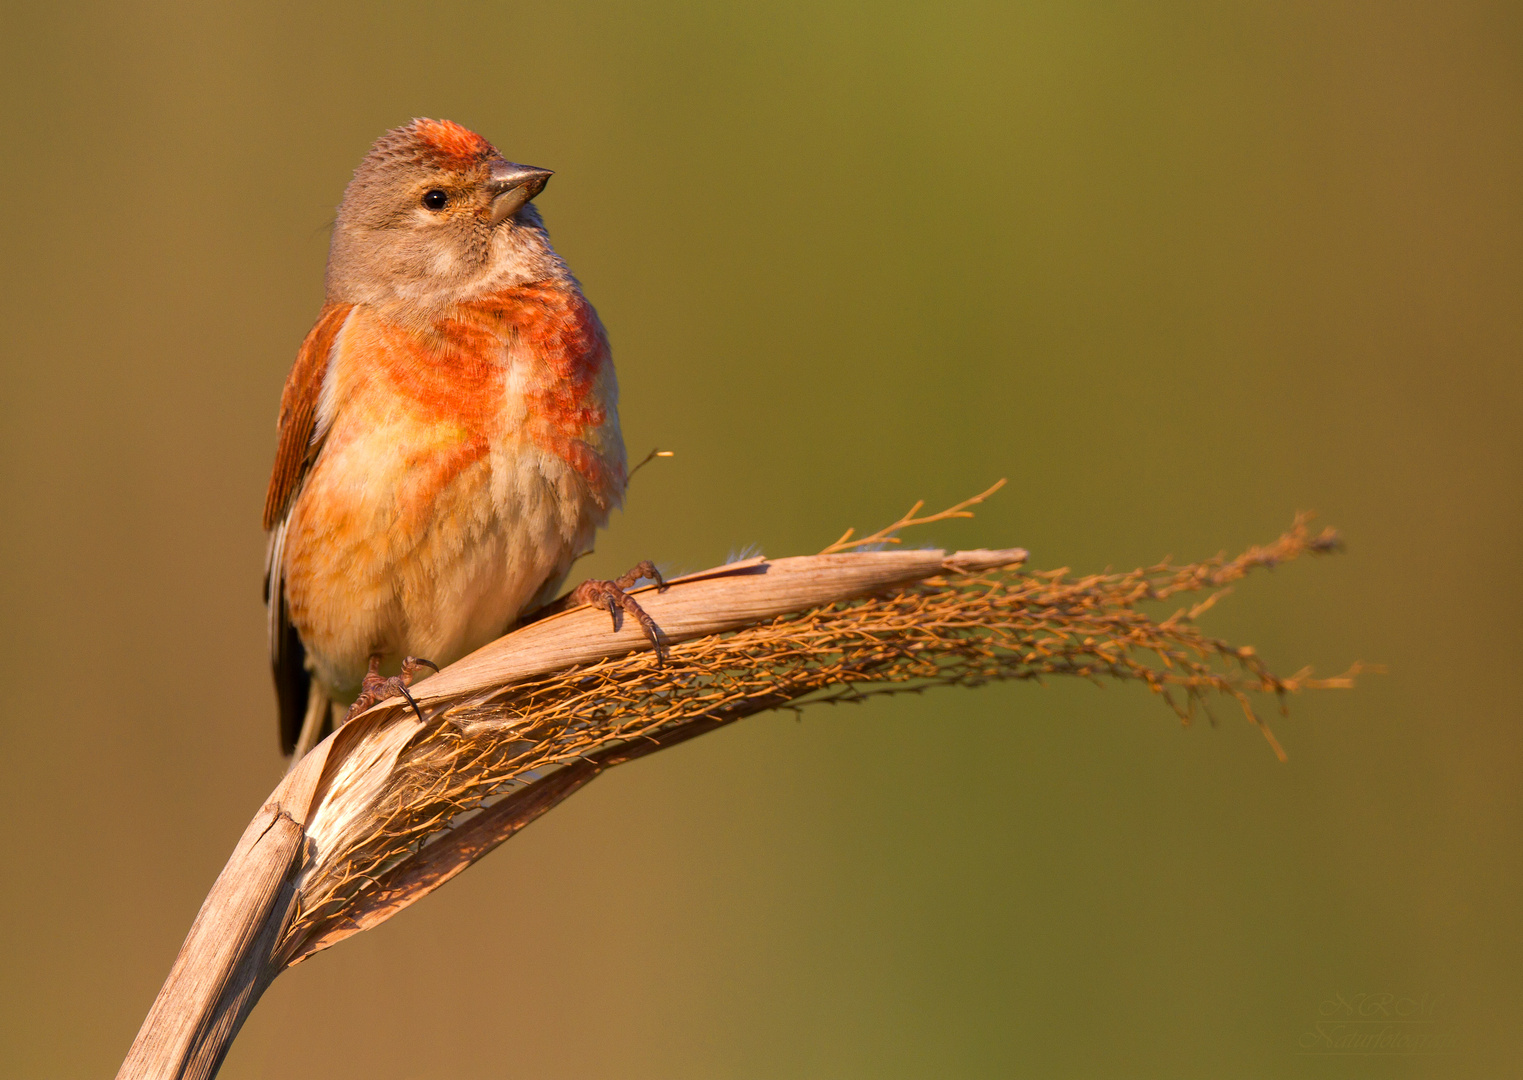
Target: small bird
<point>448,436</point>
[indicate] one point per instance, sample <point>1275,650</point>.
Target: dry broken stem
<point>388,808</point>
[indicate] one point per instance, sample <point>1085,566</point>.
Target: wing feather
<point>298,412</point>
<point>299,443</point>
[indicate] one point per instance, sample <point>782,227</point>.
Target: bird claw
<point>374,688</point>
<point>614,596</point>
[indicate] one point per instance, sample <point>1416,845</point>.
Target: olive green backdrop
<point>1177,270</point>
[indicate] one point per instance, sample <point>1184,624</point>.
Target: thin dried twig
<point>887,535</point>
<point>648,458</point>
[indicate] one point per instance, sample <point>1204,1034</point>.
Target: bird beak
<point>512,186</point>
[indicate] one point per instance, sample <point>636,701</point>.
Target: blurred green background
<point>1178,270</point>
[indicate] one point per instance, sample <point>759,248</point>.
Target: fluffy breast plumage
<point>460,472</point>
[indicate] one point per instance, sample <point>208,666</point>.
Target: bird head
<point>434,213</point>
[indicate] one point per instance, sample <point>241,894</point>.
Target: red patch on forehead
<point>450,144</point>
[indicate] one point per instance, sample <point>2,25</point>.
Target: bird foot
<point>614,596</point>
<point>374,688</point>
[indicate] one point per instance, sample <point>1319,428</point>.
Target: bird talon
<point>374,688</point>
<point>411,701</point>
<point>615,596</point>
<point>411,665</point>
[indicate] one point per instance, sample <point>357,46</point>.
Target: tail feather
<point>293,684</point>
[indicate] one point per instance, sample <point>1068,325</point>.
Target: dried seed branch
<point>888,535</point>
<point>389,808</point>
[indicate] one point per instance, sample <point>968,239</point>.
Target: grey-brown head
<point>435,214</point>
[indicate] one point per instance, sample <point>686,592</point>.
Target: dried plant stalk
<point>390,808</point>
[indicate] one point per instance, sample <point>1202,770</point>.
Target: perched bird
<point>448,436</point>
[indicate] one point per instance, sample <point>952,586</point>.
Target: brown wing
<point>297,449</point>
<point>298,412</point>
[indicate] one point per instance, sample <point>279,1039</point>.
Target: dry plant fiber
<point>388,808</point>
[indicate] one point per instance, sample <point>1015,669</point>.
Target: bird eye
<point>436,200</point>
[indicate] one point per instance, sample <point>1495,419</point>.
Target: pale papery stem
<point>389,808</point>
